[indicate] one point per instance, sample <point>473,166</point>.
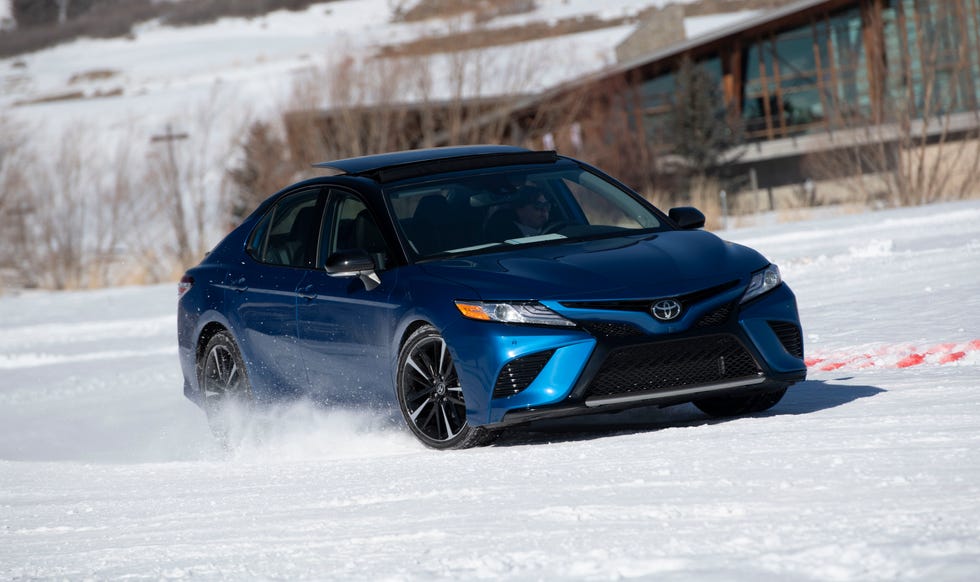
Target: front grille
<point>673,364</point>
<point>519,373</point>
<point>716,317</point>
<point>608,329</point>
<point>644,305</point>
<point>790,336</point>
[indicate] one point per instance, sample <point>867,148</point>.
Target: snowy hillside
<point>870,470</point>
<point>163,70</point>
<point>161,74</point>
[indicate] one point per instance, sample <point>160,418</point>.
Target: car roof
<point>405,164</point>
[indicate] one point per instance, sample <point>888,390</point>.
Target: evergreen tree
<point>702,132</point>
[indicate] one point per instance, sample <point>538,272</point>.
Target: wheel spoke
<point>416,395</point>
<point>442,357</point>
<point>425,376</point>
<point>428,419</point>
<point>217,364</point>
<point>418,410</point>
<point>445,418</point>
<point>231,375</point>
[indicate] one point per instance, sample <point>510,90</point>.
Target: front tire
<point>738,404</point>
<point>430,396</point>
<point>225,388</point>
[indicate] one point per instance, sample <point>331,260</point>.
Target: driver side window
<point>351,227</point>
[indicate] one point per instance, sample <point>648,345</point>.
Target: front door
<point>345,329</point>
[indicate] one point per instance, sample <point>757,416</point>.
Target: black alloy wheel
<point>430,395</point>
<point>224,384</point>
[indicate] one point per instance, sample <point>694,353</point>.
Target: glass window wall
<point>802,79</point>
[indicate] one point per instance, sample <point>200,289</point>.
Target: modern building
<point>810,76</point>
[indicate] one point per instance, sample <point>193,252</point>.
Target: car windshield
<point>489,209</point>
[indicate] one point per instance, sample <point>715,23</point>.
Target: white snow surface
<point>869,470</point>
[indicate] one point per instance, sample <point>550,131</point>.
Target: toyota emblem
<point>666,310</point>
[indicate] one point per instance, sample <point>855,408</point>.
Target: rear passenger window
<point>288,234</point>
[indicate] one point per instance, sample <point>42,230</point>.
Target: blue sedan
<point>478,288</point>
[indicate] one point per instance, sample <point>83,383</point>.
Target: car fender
<point>438,308</point>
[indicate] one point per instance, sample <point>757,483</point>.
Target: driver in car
<point>528,215</point>
<point>533,211</point>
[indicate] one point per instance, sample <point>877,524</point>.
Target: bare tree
<point>380,104</point>
<point>114,234</point>
<point>185,172</point>
<point>265,167</point>
<point>14,202</point>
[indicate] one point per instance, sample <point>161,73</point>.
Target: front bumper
<point>623,359</point>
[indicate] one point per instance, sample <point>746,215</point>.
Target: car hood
<point>662,264</point>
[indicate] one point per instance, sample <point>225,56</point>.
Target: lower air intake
<point>790,336</point>
<point>673,364</point>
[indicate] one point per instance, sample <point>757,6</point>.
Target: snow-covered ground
<point>870,470</point>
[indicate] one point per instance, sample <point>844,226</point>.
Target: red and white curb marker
<point>892,356</point>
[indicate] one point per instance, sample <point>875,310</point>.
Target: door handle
<point>239,284</point>
<point>307,292</point>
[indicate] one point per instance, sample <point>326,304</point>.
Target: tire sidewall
<point>214,408</point>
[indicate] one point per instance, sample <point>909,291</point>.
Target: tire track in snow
<point>18,338</point>
<point>34,360</point>
<point>45,344</point>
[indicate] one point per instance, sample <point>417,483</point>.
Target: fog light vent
<point>518,373</point>
<point>789,335</point>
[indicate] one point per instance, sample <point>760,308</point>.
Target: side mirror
<point>353,263</point>
<point>687,217</point>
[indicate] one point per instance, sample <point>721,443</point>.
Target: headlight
<point>532,313</point>
<point>762,282</point>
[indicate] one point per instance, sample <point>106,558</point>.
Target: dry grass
<point>483,9</point>
<point>484,38</point>
<point>93,75</point>
<point>709,7</point>
<point>70,96</point>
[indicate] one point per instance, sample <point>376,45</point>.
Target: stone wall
<point>658,28</point>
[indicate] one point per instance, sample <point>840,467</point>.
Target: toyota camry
<point>478,288</point>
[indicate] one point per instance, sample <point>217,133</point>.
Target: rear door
<point>282,249</point>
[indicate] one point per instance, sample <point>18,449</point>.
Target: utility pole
<point>178,218</point>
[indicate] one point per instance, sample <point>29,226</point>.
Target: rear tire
<point>225,388</point>
<point>739,404</point>
<point>430,396</point>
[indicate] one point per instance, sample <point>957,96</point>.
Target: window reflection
<point>816,76</point>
